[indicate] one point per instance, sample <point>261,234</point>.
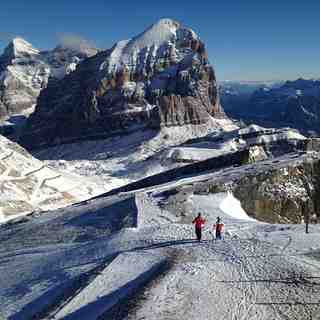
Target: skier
<point>199,224</point>
<point>219,229</point>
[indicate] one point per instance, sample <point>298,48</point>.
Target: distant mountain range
<point>292,103</point>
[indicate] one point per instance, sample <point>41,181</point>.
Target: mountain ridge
<point>292,103</point>
<point>25,71</point>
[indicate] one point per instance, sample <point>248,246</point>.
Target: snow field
<point>261,273</point>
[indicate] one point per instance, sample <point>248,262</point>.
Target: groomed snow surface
<point>105,259</point>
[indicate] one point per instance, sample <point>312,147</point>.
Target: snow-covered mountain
<point>28,185</point>
<point>245,87</point>
<point>294,103</point>
<point>25,71</point>
<point>160,78</point>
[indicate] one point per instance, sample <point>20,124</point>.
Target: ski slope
<point>128,257</point>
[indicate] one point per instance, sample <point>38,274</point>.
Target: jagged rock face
<point>287,195</point>
<point>161,77</point>
<point>25,71</point>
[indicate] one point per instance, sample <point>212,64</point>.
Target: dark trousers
<point>218,235</point>
<point>198,233</point>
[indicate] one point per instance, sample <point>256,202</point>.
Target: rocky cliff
<point>282,189</point>
<point>283,195</point>
<point>25,71</point>
<point>162,77</point>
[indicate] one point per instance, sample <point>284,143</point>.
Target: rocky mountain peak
<point>161,33</point>
<point>25,71</point>
<point>161,77</point>
<point>18,47</point>
<point>165,41</point>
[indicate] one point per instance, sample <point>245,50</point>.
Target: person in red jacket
<point>219,228</point>
<point>199,224</point>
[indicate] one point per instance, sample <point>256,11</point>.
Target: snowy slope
<point>113,284</point>
<point>67,266</point>
<point>123,159</point>
<point>28,185</point>
<point>153,44</point>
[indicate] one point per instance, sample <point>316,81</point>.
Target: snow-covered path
<point>90,262</point>
<point>232,279</point>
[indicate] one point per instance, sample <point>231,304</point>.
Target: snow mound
<point>232,207</point>
<point>223,205</point>
<point>252,129</point>
<point>276,137</point>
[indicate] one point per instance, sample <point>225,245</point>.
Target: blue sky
<point>246,39</point>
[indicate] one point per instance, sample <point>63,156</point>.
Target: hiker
<point>199,224</point>
<point>218,227</point>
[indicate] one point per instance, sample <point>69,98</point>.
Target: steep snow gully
<point>131,256</point>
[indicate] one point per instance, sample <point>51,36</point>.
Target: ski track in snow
<point>90,261</point>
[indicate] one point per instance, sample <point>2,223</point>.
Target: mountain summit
<point>162,77</point>
<point>19,47</point>
<point>25,71</point>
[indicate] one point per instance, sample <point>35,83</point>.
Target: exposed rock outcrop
<point>161,77</point>
<point>285,189</point>
<point>287,195</point>
<point>25,71</point>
